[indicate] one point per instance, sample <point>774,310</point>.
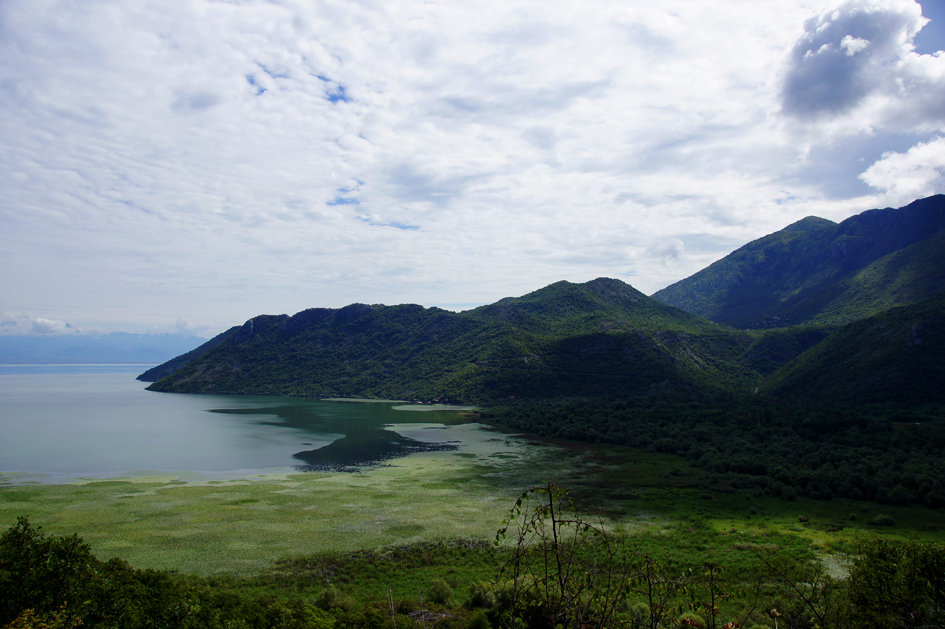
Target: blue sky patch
<point>335,95</point>
<point>276,74</point>
<point>340,200</point>
<point>395,224</point>
<point>260,90</point>
<point>338,95</point>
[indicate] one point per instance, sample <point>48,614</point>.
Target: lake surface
<point>58,422</point>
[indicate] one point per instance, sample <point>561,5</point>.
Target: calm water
<point>98,420</point>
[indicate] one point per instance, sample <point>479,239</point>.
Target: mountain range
<point>847,313</point>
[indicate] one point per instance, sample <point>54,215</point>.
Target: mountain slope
<point>909,275</point>
<point>602,337</point>
<point>896,358</point>
<point>810,271</point>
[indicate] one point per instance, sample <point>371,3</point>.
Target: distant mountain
<point>106,348</point>
<point>816,271</point>
<point>602,337</point>
<point>170,366</point>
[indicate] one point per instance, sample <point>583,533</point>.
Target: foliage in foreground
<point>550,567</point>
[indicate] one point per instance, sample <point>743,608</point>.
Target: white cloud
<point>48,326</point>
<point>854,70</point>
<point>216,160</point>
<point>24,325</point>
<point>853,45</point>
<point>903,177</point>
<point>187,328</point>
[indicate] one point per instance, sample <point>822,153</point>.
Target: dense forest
<point>773,449</point>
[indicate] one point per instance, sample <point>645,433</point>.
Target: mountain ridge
<point>791,276</point>
<point>602,336</point>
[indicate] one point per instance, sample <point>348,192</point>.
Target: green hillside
<point>895,358</point>
<point>906,276</point>
<point>598,338</point>
<point>821,272</point>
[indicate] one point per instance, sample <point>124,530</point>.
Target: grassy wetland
<point>242,525</point>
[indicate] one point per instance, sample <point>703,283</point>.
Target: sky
<point>184,165</point>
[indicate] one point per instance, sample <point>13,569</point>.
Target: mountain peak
<point>608,288</point>
<point>809,223</point>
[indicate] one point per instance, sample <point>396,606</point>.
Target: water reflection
<point>75,421</point>
<point>363,438</point>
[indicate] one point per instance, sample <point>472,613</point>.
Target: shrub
<point>440,592</point>
<point>481,596</point>
<point>478,620</point>
<point>687,619</point>
<point>640,614</point>
<point>332,598</point>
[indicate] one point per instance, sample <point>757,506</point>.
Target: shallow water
<point>67,421</point>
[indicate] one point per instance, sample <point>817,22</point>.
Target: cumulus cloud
<point>903,177</point>
<point>857,63</point>
<point>187,328</point>
<point>49,326</point>
<point>23,325</point>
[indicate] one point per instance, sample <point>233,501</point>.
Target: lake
<point>207,484</point>
<point>59,422</point>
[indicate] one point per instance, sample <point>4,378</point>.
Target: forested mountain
<point>602,337</point>
<point>816,271</point>
<point>872,286</point>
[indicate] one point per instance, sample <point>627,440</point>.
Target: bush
<point>42,574</point>
<point>481,596</point>
<point>440,592</point>
<point>478,621</point>
<point>332,598</point>
<point>640,614</point>
<point>687,619</point>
